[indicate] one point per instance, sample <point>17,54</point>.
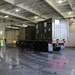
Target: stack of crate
<point>44,30</point>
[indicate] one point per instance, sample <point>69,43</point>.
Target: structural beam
<point>70,3</point>
<point>21,5</point>
<point>13,14</point>
<point>54,7</point>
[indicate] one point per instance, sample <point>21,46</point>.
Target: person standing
<point>2,43</point>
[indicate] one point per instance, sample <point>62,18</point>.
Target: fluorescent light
<point>15,27</point>
<point>36,17</point>
<point>1,32</point>
<point>17,10</point>
<point>9,26</point>
<point>73,23</point>
<point>19,25</point>
<point>70,12</point>
<point>25,25</point>
<point>74,7</point>
<point>71,19</point>
<point>60,1</point>
<point>12,27</point>
<point>6,16</point>
<point>14,41</point>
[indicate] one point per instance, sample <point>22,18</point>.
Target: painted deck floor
<point>12,62</point>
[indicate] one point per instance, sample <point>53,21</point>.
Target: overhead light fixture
<point>36,17</point>
<point>24,25</point>
<point>70,12</point>
<point>14,27</point>
<point>74,7</point>
<point>17,10</point>
<point>73,23</point>
<point>6,16</point>
<point>60,1</point>
<point>19,25</point>
<point>9,26</point>
<point>71,19</point>
<point>1,32</point>
<point>14,41</point>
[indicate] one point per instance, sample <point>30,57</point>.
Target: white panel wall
<point>11,35</point>
<point>71,38</point>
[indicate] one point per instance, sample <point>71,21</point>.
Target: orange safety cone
<point>24,50</point>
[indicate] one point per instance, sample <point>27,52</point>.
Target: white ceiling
<point>43,9</point>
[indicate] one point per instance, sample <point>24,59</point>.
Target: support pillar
<point>2,29</point>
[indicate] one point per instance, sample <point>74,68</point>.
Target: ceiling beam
<point>15,1</point>
<point>54,7</point>
<point>10,1</point>
<point>13,14</point>
<point>8,23</point>
<point>13,19</point>
<point>14,24</point>
<point>70,3</point>
<point>70,16</point>
<point>21,5</point>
